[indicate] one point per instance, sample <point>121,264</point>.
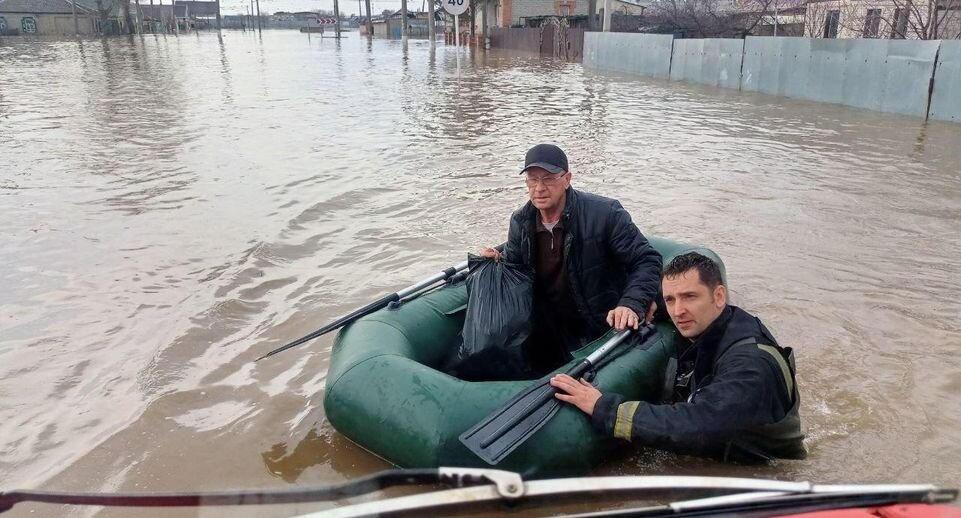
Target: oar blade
<point>507,428</point>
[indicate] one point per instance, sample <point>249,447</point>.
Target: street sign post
<point>456,8</point>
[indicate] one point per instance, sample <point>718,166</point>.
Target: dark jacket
<point>743,403</point>
<point>608,261</point>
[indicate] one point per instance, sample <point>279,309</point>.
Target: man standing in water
<point>732,388</point>
<point>593,269</point>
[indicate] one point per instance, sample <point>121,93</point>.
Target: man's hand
<point>622,317</point>
<point>490,253</point>
<point>580,393</point>
<point>650,312</point>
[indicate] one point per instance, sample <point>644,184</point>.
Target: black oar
<point>509,426</point>
<point>373,306</point>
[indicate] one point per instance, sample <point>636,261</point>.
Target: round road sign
<point>455,7</point>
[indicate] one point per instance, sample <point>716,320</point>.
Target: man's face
<point>692,305</point>
<point>546,189</point>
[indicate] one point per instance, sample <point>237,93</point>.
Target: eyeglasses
<point>547,181</point>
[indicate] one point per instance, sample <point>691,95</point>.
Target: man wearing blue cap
<point>593,269</point>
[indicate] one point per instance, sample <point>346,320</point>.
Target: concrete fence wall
<point>882,75</point>
<point>648,55</point>
<point>946,98</point>
<point>714,62</point>
<point>894,76</point>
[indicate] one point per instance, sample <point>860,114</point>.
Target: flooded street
<point>173,208</point>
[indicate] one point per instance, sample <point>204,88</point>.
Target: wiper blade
<point>451,477</point>
<point>475,486</point>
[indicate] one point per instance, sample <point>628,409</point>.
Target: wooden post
<point>76,25</point>
<point>370,25</point>
<point>484,23</point>
<point>337,18</point>
<point>218,14</point>
<point>403,17</point>
<point>473,18</point>
<point>260,27</point>
<point>431,26</point>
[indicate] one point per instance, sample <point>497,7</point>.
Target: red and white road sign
<point>326,21</point>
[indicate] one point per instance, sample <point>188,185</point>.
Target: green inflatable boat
<point>385,394</point>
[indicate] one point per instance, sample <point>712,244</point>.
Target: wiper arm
<point>506,482</point>
<point>821,497</point>
<point>489,485</point>
<point>749,495</point>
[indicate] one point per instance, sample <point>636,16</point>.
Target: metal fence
<point>946,96</point>
<point>546,40</point>
<point>648,55</point>
<point>714,62</point>
<point>920,78</point>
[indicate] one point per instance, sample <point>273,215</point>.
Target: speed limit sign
<point>455,7</point>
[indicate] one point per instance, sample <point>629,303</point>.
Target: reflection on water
<point>173,208</point>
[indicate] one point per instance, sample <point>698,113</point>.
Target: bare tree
<point>897,19</point>
<point>105,8</point>
<point>103,11</point>
<point>707,18</point>
<point>847,17</point>
<point>127,20</point>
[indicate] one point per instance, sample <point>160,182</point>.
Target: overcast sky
<point>347,7</point>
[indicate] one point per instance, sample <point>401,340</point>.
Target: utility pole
<point>76,25</point>
<point>337,17</point>
<point>484,27</point>
<point>403,17</point>
<point>370,25</point>
<point>775,17</point>
<point>250,15</point>
<point>260,23</point>
<point>607,16</point>
<point>218,13</point>
<point>431,26</point>
<point>473,18</point>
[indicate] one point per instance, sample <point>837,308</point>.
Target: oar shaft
<point>373,306</point>
<point>611,343</point>
<point>430,281</point>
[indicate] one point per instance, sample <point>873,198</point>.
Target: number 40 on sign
<point>455,7</point>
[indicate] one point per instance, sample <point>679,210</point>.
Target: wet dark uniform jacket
<point>737,399</point>
<point>594,260</point>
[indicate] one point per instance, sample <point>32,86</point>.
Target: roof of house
<point>41,7</point>
<point>113,5</point>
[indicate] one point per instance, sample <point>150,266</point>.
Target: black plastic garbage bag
<point>500,301</point>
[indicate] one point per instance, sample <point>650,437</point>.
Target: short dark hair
<point>707,269</point>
